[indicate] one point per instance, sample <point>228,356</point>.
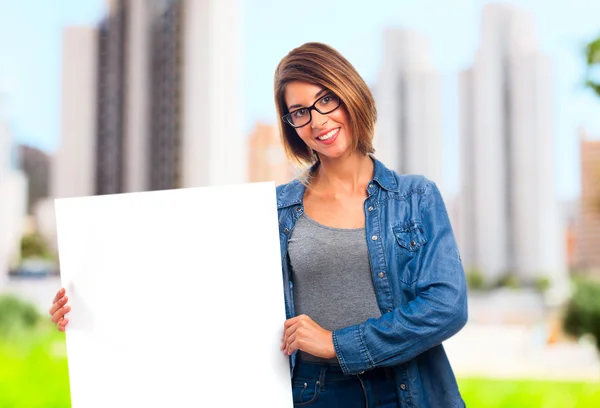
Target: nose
<point>317,119</point>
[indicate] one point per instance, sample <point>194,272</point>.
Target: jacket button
<point>371,208</point>
<point>298,209</point>
<point>361,373</point>
<point>413,243</point>
<point>403,386</point>
<point>381,275</point>
<point>370,185</point>
<point>285,231</point>
<point>374,237</point>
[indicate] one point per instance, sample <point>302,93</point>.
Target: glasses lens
<point>298,117</point>
<point>327,103</point>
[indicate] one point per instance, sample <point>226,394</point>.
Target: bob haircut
<point>320,64</point>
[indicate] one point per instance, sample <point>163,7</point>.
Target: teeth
<point>329,135</point>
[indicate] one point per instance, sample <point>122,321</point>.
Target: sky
<point>30,49</point>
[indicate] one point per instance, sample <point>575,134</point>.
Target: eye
<point>300,113</point>
<point>328,100</point>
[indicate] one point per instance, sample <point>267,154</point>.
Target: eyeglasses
<point>302,117</point>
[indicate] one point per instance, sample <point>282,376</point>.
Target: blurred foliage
<point>33,361</point>
<point>475,279</point>
<point>491,393</point>
<point>542,283</point>
<point>508,280</point>
<point>16,316</point>
<point>592,54</point>
<point>35,246</point>
<point>582,314</point>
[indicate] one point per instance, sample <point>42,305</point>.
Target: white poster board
<point>177,298</point>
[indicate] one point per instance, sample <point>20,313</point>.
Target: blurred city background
<point>498,102</point>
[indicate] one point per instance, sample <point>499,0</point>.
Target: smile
<point>329,134</point>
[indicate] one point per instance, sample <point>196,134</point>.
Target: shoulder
<point>283,189</point>
<point>290,193</point>
<point>409,184</point>
<point>401,186</point>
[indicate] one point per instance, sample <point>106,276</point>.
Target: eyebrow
<point>316,96</point>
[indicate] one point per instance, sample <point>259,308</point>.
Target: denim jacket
<point>419,283</point>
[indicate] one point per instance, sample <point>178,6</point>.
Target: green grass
<point>487,393</point>
<point>33,374</point>
<point>33,370</point>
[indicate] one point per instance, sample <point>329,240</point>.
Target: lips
<point>329,136</point>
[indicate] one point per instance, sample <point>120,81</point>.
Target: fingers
<point>62,325</point>
<point>293,343</point>
<point>292,334</point>
<point>293,324</point>
<point>59,314</point>
<point>59,294</point>
<point>59,309</point>
<point>290,340</point>
<point>58,304</point>
<point>290,322</point>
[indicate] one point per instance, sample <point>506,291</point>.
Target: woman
<point>373,278</point>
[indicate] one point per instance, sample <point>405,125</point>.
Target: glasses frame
<point>287,118</point>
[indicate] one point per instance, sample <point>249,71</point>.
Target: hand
<point>302,333</point>
<point>59,308</point>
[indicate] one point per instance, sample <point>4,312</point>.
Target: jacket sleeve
<point>438,311</point>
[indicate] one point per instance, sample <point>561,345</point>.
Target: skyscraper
<point>74,163</point>
<point>408,94</point>
<point>13,190</point>
<point>213,144</point>
<point>510,212</point>
<point>35,164</point>
<point>588,234</point>
<point>157,83</point>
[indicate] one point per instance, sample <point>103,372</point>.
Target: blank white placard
<point>177,298</point>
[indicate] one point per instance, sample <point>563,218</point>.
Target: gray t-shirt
<point>332,276</point>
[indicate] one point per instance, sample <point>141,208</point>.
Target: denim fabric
<point>419,282</point>
<point>319,385</point>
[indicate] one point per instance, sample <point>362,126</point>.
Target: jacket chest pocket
<point>410,237</point>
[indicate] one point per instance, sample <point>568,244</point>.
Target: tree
<point>592,54</point>
<point>582,315</point>
<point>34,246</point>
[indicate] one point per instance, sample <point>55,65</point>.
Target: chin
<point>338,154</point>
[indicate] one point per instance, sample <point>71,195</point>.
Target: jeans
<point>326,386</point>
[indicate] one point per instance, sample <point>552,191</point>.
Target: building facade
<point>266,156</point>
<point>510,220</point>
<point>13,190</point>
<point>588,229</point>
<point>408,94</point>
<point>150,100</point>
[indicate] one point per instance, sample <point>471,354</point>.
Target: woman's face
<point>328,134</point>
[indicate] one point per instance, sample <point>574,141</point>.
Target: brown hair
<point>320,64</point>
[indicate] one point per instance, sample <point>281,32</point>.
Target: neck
<point>349,174</point>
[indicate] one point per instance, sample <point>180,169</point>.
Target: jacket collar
<point>293,192</point>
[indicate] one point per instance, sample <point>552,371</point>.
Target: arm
<point>437,313</point>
